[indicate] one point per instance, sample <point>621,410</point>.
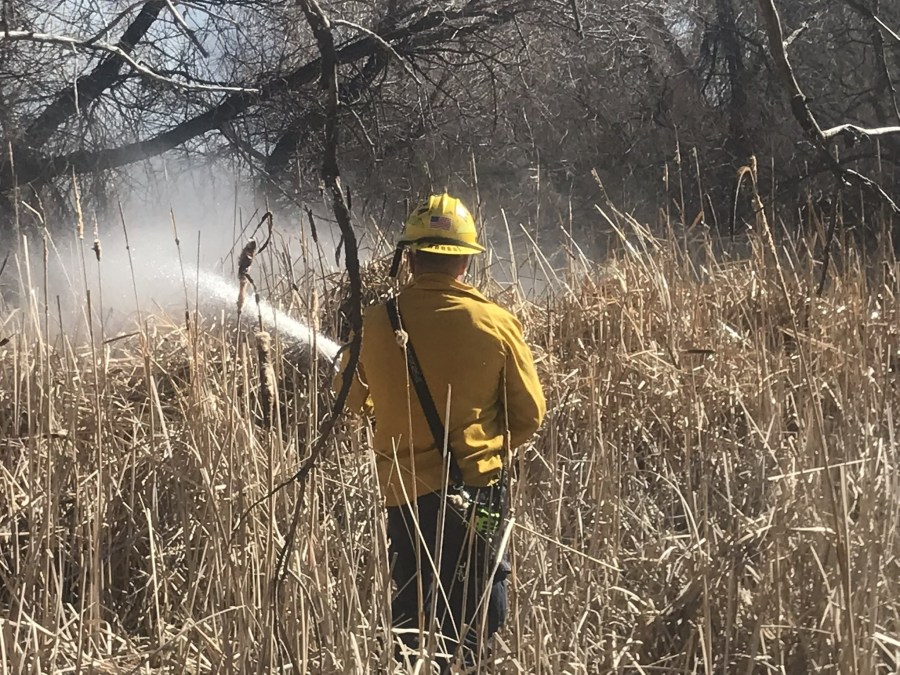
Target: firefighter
<point>442,346</point>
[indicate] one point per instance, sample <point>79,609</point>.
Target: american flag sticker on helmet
<point>440,223</point>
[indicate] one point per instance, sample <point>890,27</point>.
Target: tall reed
<point>714,490</point>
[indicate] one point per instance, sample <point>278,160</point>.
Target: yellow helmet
<point>441,224</point>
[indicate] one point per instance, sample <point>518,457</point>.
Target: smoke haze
<point>150,255</point>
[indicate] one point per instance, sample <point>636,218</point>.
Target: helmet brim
<point>448,249</point>
<point>442,245</point>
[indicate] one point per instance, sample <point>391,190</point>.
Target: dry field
<point>715,489</point>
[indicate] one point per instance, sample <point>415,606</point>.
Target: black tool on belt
<point>481,506</point>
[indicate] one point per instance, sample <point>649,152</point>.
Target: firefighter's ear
<point>463,265</point>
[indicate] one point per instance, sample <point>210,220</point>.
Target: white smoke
<point>144,269</point>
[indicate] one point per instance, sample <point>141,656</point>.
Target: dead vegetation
<point>714,489</point>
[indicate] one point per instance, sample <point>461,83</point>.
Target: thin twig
<point>192,36</point>
<point>579,27</point>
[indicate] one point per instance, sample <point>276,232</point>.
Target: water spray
<point>270,317</point>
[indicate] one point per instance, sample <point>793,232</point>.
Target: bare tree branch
<point>309,121</point>
<point>87,89</point>
<point>387,47</point>
<point>579,27</point>
<point>123,56</point>
<point>868,12</point>
<point>858,132</point>
<point>878,45</point>
<point>786,74</point>
<point>321,28</point>
<point>192,36</point>
<point>799,30</point>
<point>801,109</point>
<point>424,30</point>
<point>887,29</point>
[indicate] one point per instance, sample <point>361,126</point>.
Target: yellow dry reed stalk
<point>674,513</point>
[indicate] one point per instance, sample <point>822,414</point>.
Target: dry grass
<point>715,488</point>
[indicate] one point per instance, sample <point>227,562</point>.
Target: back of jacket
<point>469,348</point>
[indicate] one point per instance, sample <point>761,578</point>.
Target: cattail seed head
<point>79,226</point>
<point>267,381</point>
<point>242,293</point>
<point>245,261</point>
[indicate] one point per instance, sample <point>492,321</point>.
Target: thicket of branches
<point>536,95</point>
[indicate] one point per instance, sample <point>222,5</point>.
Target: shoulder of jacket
<point>504,322</point>
<point>496,310</point>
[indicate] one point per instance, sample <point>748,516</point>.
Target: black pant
<point>465,566</point>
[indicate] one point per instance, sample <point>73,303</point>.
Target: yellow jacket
<point>464,342</point>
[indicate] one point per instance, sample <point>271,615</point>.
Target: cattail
<point>96,247</point>
<point>245,261</point>
<point>267,383</point>
<point>242,292</point>
<point>79,227</point>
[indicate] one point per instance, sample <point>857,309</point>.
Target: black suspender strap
<point>423,394</point>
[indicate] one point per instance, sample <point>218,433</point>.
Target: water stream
<point>214,285</point>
